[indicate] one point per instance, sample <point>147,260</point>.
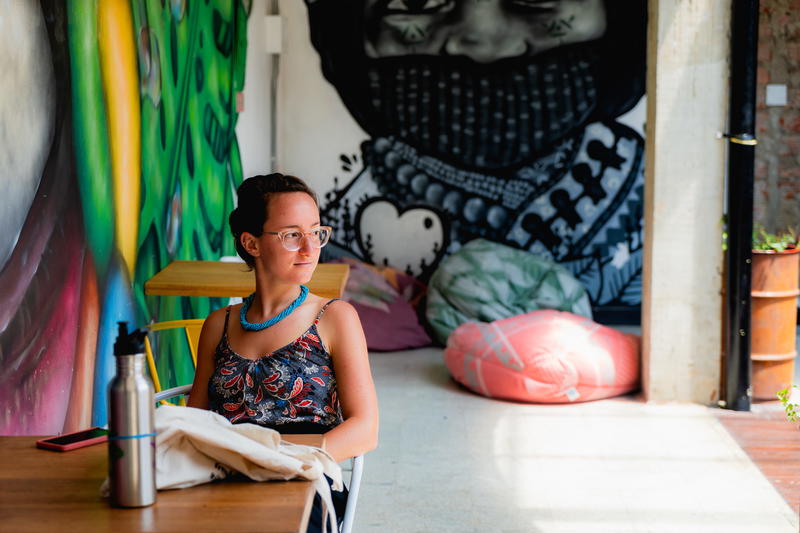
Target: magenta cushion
<point>382,299</point>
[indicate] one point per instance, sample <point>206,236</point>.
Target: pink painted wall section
<point>777,186</point>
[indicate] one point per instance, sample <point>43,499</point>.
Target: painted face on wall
<point>482,84</point>
<point>482,30</point>
<point>526,56</point>
<point>41,232</point>
<point>27,116</point>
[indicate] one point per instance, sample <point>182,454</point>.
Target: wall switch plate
<point>273,30</point>
<point>776,94</point>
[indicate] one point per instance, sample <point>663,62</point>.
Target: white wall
<point>314,127</point>
<point>252,127</point>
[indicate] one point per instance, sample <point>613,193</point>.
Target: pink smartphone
<point>71,441</point>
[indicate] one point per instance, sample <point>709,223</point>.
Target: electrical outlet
<point>776,94</point>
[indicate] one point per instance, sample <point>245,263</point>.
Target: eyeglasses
<point>292,239</point>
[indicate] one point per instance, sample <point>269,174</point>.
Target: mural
<point>44,267</point>
<point>191,65</point>
<point>118,155</point>
<point>495,119</point>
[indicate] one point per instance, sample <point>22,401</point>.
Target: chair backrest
<point>174,392</point>
<point>191,329</point>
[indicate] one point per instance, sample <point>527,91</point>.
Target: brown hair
<point>253,203</point>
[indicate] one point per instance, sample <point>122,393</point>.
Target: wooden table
<point>45,491</point>
<point>215,278</point>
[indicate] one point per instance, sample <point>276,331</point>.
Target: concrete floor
<point>450,460</point>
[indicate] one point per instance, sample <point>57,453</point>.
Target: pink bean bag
<point>543,357</point>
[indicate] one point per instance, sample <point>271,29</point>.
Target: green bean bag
<point>485,281</point>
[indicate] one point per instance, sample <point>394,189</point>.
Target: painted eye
<point>417,7</point>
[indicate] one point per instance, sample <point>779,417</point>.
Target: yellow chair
<point>192,329</point>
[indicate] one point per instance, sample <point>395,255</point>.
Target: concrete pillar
<point>687,103</point>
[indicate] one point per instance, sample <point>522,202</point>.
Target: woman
<point>285,358</point>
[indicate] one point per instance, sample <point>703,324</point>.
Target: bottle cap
<point>129,343</point>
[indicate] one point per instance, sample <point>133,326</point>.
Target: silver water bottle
<point>131,438</point>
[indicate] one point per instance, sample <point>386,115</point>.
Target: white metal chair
<point>356,463</point>
<point>182,390</point>
<point>357,468</point>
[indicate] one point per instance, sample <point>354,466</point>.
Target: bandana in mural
<point>483,117</point>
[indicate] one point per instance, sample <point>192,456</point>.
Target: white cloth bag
<point>195,446</point>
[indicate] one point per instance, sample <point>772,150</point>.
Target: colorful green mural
<point>129,121</point>
<point>191,65</point>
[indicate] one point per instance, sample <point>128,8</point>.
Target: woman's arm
<point>209,338</point>
<point>344,337</point>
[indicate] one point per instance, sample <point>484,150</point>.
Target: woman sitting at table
<point>284,358</point>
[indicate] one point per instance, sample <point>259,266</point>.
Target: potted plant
<point>775,273</point>
<point>785,397</point>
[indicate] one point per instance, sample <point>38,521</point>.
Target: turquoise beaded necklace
<point>249,326</point>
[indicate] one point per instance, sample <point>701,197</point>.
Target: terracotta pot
<point>773,321</point>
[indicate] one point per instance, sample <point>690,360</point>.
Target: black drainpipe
<point>741,159</point>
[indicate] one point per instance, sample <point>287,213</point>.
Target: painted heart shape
<point>410,239</point>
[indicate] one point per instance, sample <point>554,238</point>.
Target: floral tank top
<point>292,389</point>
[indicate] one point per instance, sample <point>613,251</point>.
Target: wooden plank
<point>771,442</point>
<point>43,491</point>
<point>215,278</point>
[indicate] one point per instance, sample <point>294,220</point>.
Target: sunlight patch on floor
<point>450,460</point>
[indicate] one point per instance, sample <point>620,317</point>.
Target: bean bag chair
<point>544,357</point>
<point>485,281</point>
<point>385,300</point>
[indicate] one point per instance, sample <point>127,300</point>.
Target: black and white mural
<point>497,119</point>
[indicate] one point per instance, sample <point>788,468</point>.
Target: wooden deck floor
<point>771,442</point>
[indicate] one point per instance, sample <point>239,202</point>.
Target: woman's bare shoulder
<point>340,320</point>
<point>327,305</point>
<point>218,315</point>
<point>215,321</point>
<point>340,310</point>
